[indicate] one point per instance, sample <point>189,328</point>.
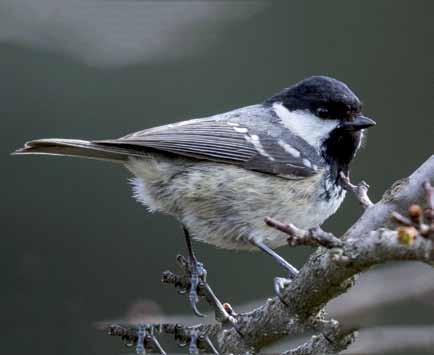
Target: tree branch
<point>322,278</point>
<point>327,274</point>
<point>314,236</point>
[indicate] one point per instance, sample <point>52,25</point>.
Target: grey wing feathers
<point>244,137</point>
<point>207,140</point>
<point>224,141</point>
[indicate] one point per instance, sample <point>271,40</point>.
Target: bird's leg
<point>198,275</point>
<point>279,282</point>
<point>193,281</point>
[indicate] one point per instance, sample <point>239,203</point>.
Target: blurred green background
<point>76,248</point>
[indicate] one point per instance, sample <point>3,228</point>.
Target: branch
<point>313,236</point>
<point>360,190</point>
<point>327,274</point>
<point>397,198</point>
<point>322,278</point>
<point>144,336</point>
<point>358,307</point>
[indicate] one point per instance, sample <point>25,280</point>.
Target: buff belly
<point>225,205</point>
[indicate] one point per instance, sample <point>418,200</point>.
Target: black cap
<point>323,96</point>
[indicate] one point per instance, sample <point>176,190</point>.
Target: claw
<point>195,310</point>
<point>198,274</point>
<point>190,281</point>
<point>193,278</point>
<point>280,283</point>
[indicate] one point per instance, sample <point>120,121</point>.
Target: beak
<point>358,123</point>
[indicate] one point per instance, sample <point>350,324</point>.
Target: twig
<point>143,337</point>
<point>400,219</point>
<point>360,190</point>
<point>429,189</point>
<point>195,337</point>
<point>429,211</point>
<point>419,221</point>
<point>297,236</point>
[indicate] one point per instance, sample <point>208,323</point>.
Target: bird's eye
<point>322,112</point>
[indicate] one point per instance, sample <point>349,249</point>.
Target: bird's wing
<point>231,138</point>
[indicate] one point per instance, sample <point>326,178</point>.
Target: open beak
<point>358,123</point>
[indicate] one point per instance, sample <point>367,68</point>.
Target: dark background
<point>76,248</point>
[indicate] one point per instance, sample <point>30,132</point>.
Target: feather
<point>229,141</point>
<point>239,137</point>
<point>74,148</point>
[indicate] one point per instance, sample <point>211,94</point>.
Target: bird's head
<point>326,114</point>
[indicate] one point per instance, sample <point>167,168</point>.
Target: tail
<point>78,148</point>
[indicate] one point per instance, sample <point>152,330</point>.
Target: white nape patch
<point>232,124</point>
<point>289,148</point>
<point>311,128</point>
<point>307,163</point>
<point>241,129</point>
<point>254,139</point>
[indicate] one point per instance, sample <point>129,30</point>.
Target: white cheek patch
<point>254,139</point>
<point>311,128</point>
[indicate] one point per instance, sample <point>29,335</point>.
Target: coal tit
<point>221,175</point>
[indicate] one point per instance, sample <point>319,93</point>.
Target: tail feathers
<point>77,148</point>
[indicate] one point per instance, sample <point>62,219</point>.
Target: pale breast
<point>225,205</point>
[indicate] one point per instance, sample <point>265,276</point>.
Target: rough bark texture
<point>322,278</point>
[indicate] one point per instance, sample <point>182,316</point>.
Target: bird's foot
<point>280,283</point>
<point>197,273</point>
<point>193,282</point>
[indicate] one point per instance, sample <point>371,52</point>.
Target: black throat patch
<point>340,149</point>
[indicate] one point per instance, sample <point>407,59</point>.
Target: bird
<point>219,176</point>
